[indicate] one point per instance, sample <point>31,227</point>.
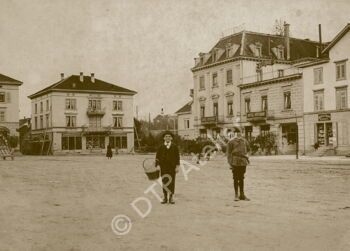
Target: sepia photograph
<point>174,125</point>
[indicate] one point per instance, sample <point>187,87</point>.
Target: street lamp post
<point>297,137</point>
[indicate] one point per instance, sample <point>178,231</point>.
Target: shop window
<point>324,134</point>
<point>264,129</point>
<point>71,143</point>
<point>203,133</point>
<point>119,142</point>
<point>289,134</point>
<point>248,132</point>
<point>95,142</point>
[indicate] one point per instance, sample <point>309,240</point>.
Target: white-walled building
<point>9,105</point>
<point>326,97</point>
<point>246,78</point>
<point>185,121</point>
<point>81,113</point>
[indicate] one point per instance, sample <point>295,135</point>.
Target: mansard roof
<point>299,48</point>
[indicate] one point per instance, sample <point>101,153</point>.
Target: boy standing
<point>237,149</point>
<point>168,158</point>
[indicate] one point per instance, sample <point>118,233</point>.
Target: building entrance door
<point>325,134</point>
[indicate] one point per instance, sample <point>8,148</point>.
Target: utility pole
<point>297,137</point>
<point>149,124</point>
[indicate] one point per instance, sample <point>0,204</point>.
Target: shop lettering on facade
<point>324,117</point>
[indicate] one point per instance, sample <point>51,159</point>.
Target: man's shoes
<point>171,200</point>
<point>164,201</point>
<point>236,198</point>
<point>244,198</point>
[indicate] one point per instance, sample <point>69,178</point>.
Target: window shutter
<point>8,97</point>
<point>338,99</point>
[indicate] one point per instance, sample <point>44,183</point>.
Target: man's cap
<point>168,133</point>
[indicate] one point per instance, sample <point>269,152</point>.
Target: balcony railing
<point>270,75</point>
<point>212,120</point>
<point>260,116</point>
<point>91,111</point>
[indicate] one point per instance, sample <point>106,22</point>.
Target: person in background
<point>237,150</point>
<point>109,153</point>
<point>168,158</point>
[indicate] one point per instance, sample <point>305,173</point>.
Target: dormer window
<point>258,50</point>
<point>280,52</point>
<point>215,55</point>
<point>228,52</point>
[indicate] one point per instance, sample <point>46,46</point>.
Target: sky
<point>145,45</point>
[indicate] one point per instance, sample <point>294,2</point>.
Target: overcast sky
<point>147,46</point>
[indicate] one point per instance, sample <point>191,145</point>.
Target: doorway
<point>325,134</point>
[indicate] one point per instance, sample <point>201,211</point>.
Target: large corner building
<point>82,114</point>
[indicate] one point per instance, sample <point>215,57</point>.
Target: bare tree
<point>278,28</point>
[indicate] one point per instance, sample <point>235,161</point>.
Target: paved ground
<point>68,203</point>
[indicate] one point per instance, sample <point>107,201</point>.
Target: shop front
<point>328,131</point>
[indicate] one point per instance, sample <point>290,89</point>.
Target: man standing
<point>237,149</point>
<point>168,158</point>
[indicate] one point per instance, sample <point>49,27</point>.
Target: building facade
<point>326,98</point>
<point>9,105</point>
<point>82,114</point>
<point>275,105</point>
<point>185,120</point>
<point>249,79</point>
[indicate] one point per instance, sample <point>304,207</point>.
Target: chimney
<point>320,39</point>
<point>81,78</point>
<point>286,39</point>
<point>62,76</point>
<point>92,77</point>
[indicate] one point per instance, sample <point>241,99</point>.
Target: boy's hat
<point>168,133</point>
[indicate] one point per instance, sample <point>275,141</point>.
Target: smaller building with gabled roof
<point>326,98</point>
<point>185,120</point>
<point>82,114</point>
